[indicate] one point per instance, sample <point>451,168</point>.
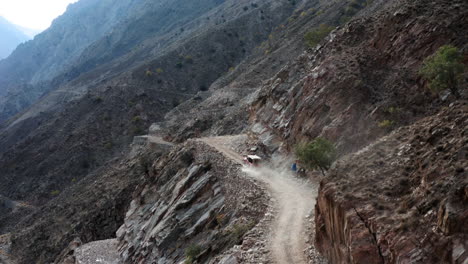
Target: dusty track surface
<point>103,252</point>
<point>294,198</point>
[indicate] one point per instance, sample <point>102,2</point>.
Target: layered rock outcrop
<point>402,199</point>
<point>196,204</point>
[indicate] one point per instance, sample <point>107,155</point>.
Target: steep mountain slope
<point>402,199</point>
<point>92,210</point>
<point>25,74</point>
<point>363,73</point>
<point>11,37</point>
<point>362,76</point>
<point>225,110</point>
<point>74,130</point>
<point>94,117</point>
<point>55,56</point>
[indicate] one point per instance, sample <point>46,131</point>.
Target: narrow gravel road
<point>103,252</point>
<point>295,201</point>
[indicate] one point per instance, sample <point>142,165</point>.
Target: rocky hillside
<point>94,33</point>
<point>11,37</point>
<point>363,76</point>
<point>73,132</point>
<point>92,210</point>
<point>194,198</point>
<point>93,117</point>
<point>224,111</point>
<point>397,194</point>
<point>402,199</point>
<point>358,85</point>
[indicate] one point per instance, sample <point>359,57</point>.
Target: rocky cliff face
<point>402,199</point>
<point>365,73</point>
<point>193,198</point>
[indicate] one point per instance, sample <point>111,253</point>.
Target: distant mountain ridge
<point>30,32</point>
<point>10,37</point>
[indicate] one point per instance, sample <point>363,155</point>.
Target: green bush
<point>189,59</point>
<point>108,145</point>
<point>317,154</point>
<point>55,192</point>
<point>136,119</point>
<point>444,69</point>
<point>98,99</point>
<point>191,253</point>
<point>238,231</point>
<point>386,123</point>
<point>393,110</point>
<point>314,37</point>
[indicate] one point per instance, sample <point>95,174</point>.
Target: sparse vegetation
<point>191,253</point>
<point>136,119</point>
<point>386,123</point>
<point>220,218</point>
<point>98,99</point>
<point>159,70</point>
<point>55,192</point>
<point>314,37</point>
<point>137,131</point>
<point>148,73</point>
<point>108,145</point>
<point>238,231</point>
<point>189,59</point>
<point>317,154</point>
<point>179,65</point>
<point>444,70</point>
<point>394,110</point>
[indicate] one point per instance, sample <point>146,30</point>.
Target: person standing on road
<point>294,167</point>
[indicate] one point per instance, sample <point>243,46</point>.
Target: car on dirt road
<point>252,160</point>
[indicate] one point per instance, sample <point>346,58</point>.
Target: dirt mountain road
<point>294,198</point>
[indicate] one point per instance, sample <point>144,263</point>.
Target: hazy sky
<point>35,14</point>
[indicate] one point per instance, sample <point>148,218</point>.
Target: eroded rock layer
<point>195,199</point>
<point>402,199</point>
